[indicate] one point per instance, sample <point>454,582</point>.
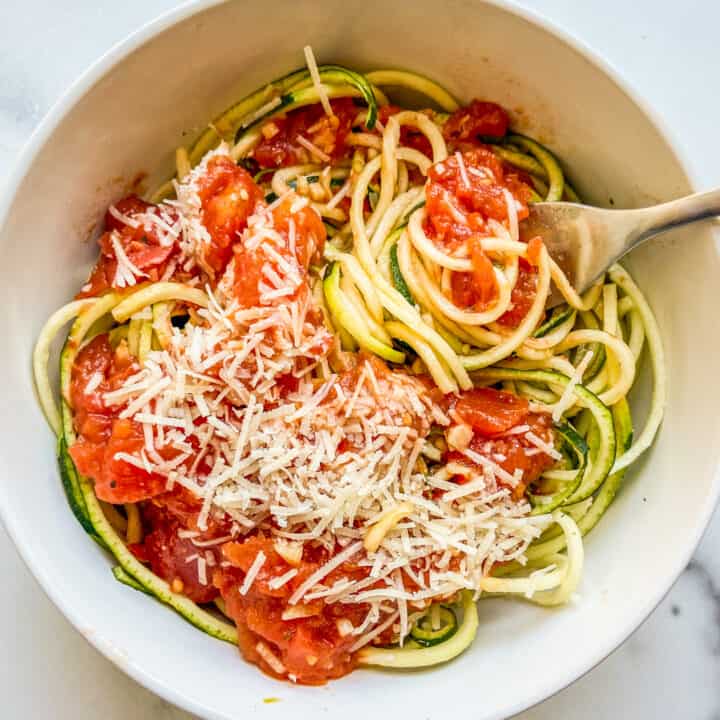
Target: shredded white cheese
<point>317,82</point>
<point>315,462</point>
<point>252,573</point>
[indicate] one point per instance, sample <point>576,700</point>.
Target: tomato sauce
<point>312,649</point>
<point>463,193</point>
<point>303,235</point>
<point>522,297</point>
<point>228,196</point>
<point>175,558</point>
<point>476,122</point>
<point>146,247</point>
<point>280,147</point>
<point>309,642</point>
<point>460,204</point>
<point>491,414</point>
<point>93,419</point>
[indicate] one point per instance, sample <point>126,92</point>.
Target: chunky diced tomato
<point>476,120</point>
<point>307,643</point>
<point>309,232</point>
<point>280,147</point>
<point>178,560</point>
<point>302,240</point>
<point>228,196</point>
<point>92,417</point>
<point>514,452</point>
<point>490,412</point>
<point>463,193</point>
<point>523,295</point>
<point>147,247</point>
<point>121,481</point>
<point>130,206</point>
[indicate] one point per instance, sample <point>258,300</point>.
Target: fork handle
<point>658,219</point>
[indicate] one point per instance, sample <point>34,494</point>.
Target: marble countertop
<point>670,668</point>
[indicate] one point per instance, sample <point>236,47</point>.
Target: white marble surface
<point>670,668</point>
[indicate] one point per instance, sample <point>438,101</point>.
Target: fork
<point>585,241</point>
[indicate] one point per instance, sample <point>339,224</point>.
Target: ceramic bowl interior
<point>157,90</point>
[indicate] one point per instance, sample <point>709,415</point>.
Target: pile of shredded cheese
<point>336,461</point>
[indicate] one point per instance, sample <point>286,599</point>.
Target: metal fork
<point>585,241</point>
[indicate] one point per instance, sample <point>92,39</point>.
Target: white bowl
<point>130,111</point>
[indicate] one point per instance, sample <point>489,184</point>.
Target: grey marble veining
<point>669,668</point>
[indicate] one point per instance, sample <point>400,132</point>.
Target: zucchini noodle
<point>41,358</point>
<point>459,312</point>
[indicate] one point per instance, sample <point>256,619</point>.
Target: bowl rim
<point>84,83</point>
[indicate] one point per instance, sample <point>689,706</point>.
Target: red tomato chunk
<point>280,147</point>
<point>305,641</point>
<point>228,195</point>
<point>145,247</point>
<point>492,414</point>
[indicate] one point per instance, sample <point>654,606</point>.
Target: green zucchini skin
<point>558,317</point>
<point>137,573</point>
<point>397,276</point>
<point>598,349</point>
<point>555,175</point>
<point>71,486</point>
<point>547,503</point>
<point>122,577</point>
<point>427,636</point>
<point>227,123</point>
<point>412,656</point>
<point>293,99</point>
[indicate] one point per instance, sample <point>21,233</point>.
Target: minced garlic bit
<point>459,436</point>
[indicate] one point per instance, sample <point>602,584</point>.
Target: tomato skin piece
<point>280,148</point>
<point>534,250</point>
<point>491,412</point>
<point>228,196</point>
<point>479,118</point>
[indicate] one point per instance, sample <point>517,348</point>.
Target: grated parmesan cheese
<point>320,465</point>
<point>252,573</point>
<point>315,75</point>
